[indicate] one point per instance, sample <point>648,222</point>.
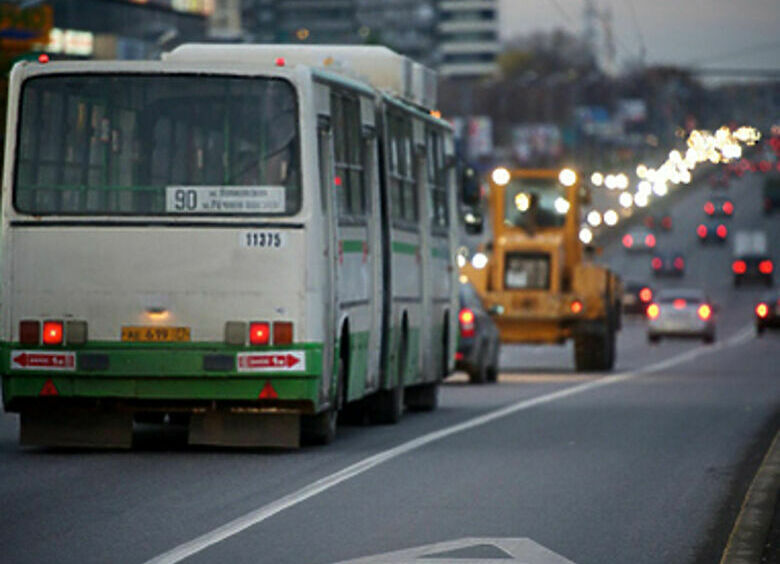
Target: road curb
<point>748,537</point>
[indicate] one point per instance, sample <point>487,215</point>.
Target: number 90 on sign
<point>262,239</point>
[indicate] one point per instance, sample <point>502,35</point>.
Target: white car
<point>681,312</point>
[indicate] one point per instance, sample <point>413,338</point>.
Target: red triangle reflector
<point>49,389</point>
<point>267,392</point>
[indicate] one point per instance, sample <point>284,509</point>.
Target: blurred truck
<point>532,274</point>
<point>752,262</point>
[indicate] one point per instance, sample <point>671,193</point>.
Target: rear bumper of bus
<point>189,377</point>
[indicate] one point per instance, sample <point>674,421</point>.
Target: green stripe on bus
<point>234,388</point>
<point>404,248</point>
<point>442,252</point>
<point>352,246</point>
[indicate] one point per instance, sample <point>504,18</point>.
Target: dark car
<point>638,240</point>
<point>479,343</point>
<point>753,268</point>
<point>768,312</point>
<point>636,297</point>
<point>668,263</point>
<point>659,221</point>
<point>771,193</point>
<point>712,231</point>
<point>719,206</point>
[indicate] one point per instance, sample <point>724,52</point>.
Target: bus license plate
<point>155,334</point>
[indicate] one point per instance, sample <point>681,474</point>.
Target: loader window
<point>534,203</point>
<point>527,271</point>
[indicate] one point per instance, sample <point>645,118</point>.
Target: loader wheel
<point>595,352</point>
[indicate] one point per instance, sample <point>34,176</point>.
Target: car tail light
<point>259,333</point>
<point>628,241</point>
<point>666,222</point>
<point>728,208</point>
<point>645,294</point>
<point>656,263</point>
<point>704,311</point>
<point>30,332</point>
<point>283,333</point>
<point>739,267</point>
<point>679,303</point>
<point>458,355</point>
<point>679,263</point>
<point>762,310</point>
<point>576,306</point>
<point>653,311</point>
<point>52,332</point>
<point>765,267</point>
<point>701,230</point>
<point>467,324</point>
<point>709,208</point>
<point>650,240</point>
<point>721,231</point>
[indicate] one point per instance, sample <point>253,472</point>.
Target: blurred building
<point>467,34</point>
<point>299,21</point>
<point>406,26</point>
<point>124,29</point>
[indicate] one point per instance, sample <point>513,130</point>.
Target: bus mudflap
<point>76,428</point>
<point>224,428</point>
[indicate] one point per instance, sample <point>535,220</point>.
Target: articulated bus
<point>246,239</point>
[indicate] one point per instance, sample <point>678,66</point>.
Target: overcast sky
<point>723,33</point>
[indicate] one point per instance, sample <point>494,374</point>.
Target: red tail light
<point>653,311</point>
<point>458,355</point>
<point>649,221</point>
<point>645,294</point>
<point>656,263</point>
<point>628,240</point>
<point>679,304</point>
<point>259,333</point>
<point>728,208</point>
<point>52,332</point>
<point>704,312</point>
<point>739,267</point>
<point>467,324</point>
<point>701,230</point>
<point>762,310</point>
<point>667,222</point>
<point>765,267</point>
<point>29,332</point>
<point>679,263</point>
<point>721,231</point>
<point>709,208</point>
<point>576,306</point>
<point>283,333</point>
<point>650,240</point>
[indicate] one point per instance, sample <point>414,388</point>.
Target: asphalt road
<point>646,465</point>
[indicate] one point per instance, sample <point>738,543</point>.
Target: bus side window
<point>437,181</point>
<point>348,155</point>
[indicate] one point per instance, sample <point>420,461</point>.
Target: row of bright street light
<point>722,146</point>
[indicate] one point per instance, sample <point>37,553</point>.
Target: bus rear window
<point>103,144</point>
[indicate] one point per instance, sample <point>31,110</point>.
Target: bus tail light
<point>467,322</point>
<point>52,333</point>
<point>76,332</point>
<point>653,311</point>
<point>30,332</point>
<point>259,333</point>
<point>235,333</point>
<point>762,310</point>
<point>704,312</point>
<point>283,333</point>
<point>739,267</point>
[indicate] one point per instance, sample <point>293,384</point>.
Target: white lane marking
<point>265,512</point>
